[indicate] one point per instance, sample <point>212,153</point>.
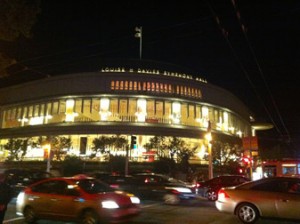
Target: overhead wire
<point>238,15</point>
<point>225,35</point>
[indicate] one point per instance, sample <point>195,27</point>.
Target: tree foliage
<point>225,153</point>
<point>157,143</point>
<point>17,149</point>
<point>57,145</point>
<point>105,144</point>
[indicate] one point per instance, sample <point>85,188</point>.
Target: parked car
<point>270,197</point>
<point>80,199</point>
<point>18,179</point>
<point>209,189</point>
<point>159,186</point>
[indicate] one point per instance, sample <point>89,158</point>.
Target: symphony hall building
<point>143,99</point>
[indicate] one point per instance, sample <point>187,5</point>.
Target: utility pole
<point>139,34</point>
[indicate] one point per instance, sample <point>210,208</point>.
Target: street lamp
<point>47,150</point>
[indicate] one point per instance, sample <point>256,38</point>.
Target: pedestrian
<point>5,196</point>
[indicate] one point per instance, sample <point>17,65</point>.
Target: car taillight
<point>114,186</point>
<point>198,185</point>
<point>175,192</point>
<point>222,195</point>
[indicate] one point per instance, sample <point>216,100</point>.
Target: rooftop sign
<point>150,71</point>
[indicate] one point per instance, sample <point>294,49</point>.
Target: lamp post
<point>210,165</point>
<point>47,148</point>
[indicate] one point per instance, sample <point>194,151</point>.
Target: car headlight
<point>20,197</point>
<point>109,204</point>
<point>135,200</point>
<point>182,189</point>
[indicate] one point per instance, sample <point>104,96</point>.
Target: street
<point>199,211</point>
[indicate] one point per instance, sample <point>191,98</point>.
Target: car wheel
<point>29,215</point>
<point>89,217</point>
<point>212,195</point>
<point>247,213</point>
<point>171,199</point>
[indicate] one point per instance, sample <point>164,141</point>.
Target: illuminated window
<point>165,88</point>
<point>117,87</point>
<point>161,88</point>
<point>159,109</point>
<point>140,86</point>
<point>150,108</point>
<point>104,109</point>
<point>87,106</point>
<point>141,110</point>
<point>152,86</point>
<point>70,103</point>
<point>176,109</point>
<point>62,106</point>
<point>112,85</point>
<point>157,87</point>
<point>30,112</point>
<point>148,86</point>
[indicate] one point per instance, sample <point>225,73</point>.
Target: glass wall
<point>133,109</point>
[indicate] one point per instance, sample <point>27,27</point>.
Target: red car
<point>82,199</point>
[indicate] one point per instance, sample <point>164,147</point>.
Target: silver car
<point>276,197</point>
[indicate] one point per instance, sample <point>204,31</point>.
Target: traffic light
<point>133,141</point>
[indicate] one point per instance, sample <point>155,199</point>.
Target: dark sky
<point>249,47</point>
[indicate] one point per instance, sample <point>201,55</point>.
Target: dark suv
<point>209,189</point>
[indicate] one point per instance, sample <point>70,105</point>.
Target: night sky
<point>249,47</point>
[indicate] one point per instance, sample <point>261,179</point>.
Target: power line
<point>238,15</point>
<point>225,35</point>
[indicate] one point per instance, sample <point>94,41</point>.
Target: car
<point>209,188</point>
<point>159,186</point>
<point>80,198</point>
<point>269,197</point>
<point>126,183</point>
<point>19,178</point>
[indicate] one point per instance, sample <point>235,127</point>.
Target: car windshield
<point>92,186</point>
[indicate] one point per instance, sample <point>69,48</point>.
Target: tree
<point>101,145</point>
<point>225,153</point>
<point>226,156</point>
<point>17,17</point>
<point>57,145</point>
<point>17,149</point>
<point>158,143</point>
<point>118,142</point>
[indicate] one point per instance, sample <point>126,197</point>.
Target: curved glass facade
<point>135,100</point>
<point>124,109</point>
